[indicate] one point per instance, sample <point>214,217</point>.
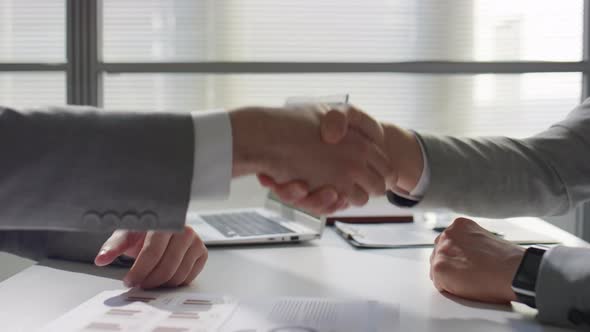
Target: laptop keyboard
<point>244,224</point>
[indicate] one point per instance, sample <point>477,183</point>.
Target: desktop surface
<point>329,267</point>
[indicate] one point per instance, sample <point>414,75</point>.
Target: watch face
<point>526,276</point>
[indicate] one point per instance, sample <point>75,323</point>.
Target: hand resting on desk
<point>162,259</point>
<point>471,262</point>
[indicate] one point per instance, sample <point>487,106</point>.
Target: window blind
<point>353,31</point>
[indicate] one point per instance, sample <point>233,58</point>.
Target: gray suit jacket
<point>547,174</point>
<point>85,170</point>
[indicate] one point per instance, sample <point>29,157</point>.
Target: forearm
<point>546,174</point>
<point>85,169</point>
<point>492,177</point>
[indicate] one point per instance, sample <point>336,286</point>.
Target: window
<point>32,52</point>
<point>468,67</point>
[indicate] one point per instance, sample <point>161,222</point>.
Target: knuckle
<point>445,248</point>
<point>462,222</point>
<point>439,267</point>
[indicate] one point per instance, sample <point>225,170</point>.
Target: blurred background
<point>463,67</point>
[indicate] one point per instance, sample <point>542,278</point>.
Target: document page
<point>168,311</point>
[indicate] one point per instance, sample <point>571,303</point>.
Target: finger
<point>171,259</point>
<point>197,268</point>
<point>339,205</point>
<point>431,260</point>
<point>266,181</point>
<point>432,255</point>
<point>358,196</point>
<point>319,201</point>
<point>195,251</point>
<point>436,275</point>
<point>291,192</point>
<point>374,181</point>
<point>379,161</point>
<point>334,126</point>
<point>153,249</point>
<point>437,238</point>
<point>365,124</point>
<point>114,246</point>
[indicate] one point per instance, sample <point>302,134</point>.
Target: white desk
<point>327,267</point>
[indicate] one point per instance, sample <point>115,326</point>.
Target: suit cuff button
<point>130,221</point>
<point>91,220</point>
<point>110,220</point>
<point>148,220</point>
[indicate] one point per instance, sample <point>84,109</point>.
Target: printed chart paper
<point>166,311</point>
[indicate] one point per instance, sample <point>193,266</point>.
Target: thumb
<point>334,126</point>
<point>115,246</point>
<point>365,124</point>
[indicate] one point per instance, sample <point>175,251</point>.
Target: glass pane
<point>32,31</point>
<point>32,89</point>
<point>514,105</point>
<point>341,30</point>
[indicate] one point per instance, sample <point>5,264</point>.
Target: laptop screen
<point>278,200</point>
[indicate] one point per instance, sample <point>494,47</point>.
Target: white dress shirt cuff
<point>212,161</point>
<point>423,183</point>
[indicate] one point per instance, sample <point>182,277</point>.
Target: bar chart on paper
<point>155,311</point>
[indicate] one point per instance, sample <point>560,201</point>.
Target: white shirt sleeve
<point>212,160</point>
<point>423,183</point>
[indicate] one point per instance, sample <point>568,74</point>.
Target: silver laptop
<point>275,222</point>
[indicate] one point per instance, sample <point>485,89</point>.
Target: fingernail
<point>102,252</point>
<point>128,283</point>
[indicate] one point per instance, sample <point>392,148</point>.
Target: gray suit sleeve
<point>37,245</point>
<point>547,174</point>
<point>84,169</point>
<point>563,287</point>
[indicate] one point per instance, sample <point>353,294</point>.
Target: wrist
<point>250,128</point>
<point>512,264</point>
<point>404,149</point>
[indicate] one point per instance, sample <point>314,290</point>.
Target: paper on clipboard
<point>419,234</point>
<point>402,235</point>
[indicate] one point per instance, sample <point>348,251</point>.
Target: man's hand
<point>472,263</point>
<point>400,146</point>
<point>162,259</point>
<point>286,145</point>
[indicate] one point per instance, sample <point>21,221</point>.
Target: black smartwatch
<point>525,280</point>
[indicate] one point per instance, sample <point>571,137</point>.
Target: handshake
<point>323,158</point>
